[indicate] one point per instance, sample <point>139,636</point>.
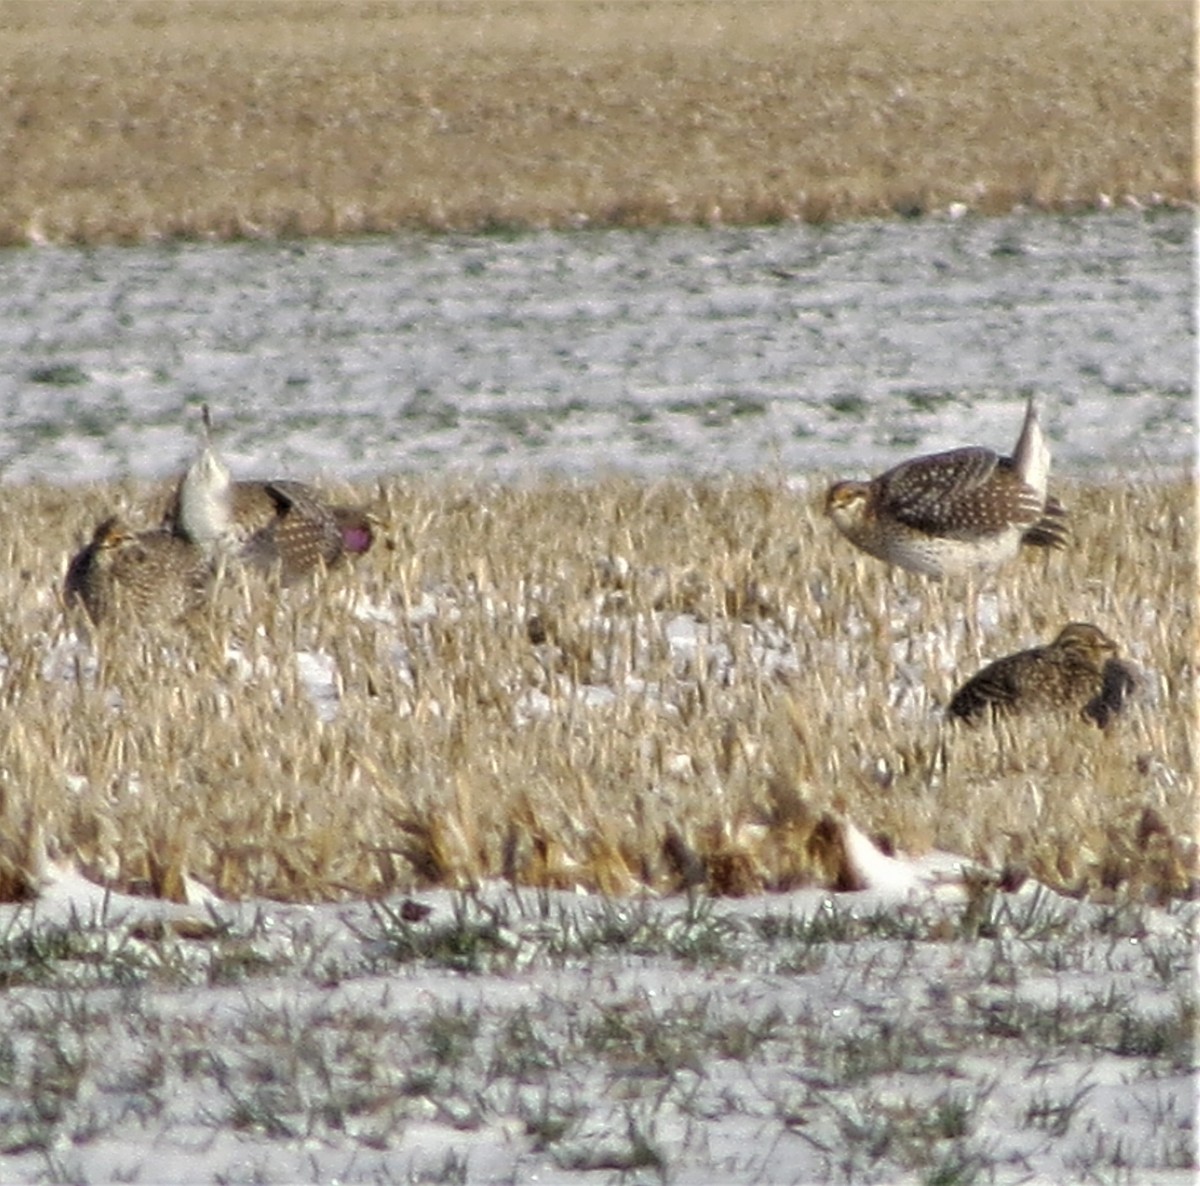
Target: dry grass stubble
<point>692,695</point>
<point>227,119</point>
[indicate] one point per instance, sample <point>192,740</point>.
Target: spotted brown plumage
<point>949,512</point>
<point>1078,673</point>
<point>279,525</point>
<point>284,524</point>
<point>147,575</point>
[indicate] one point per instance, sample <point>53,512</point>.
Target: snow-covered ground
<point>801,348</point>
<point>912,1032</point>
<point>918,1031</point>
<point>928,1028</point>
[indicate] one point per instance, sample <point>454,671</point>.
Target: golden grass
<point>126,121</point>
<point>524,714</point>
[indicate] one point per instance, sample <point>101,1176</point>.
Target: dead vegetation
<point>127,122</point>
<point>612,685</point>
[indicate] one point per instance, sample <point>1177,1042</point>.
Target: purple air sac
<point>357,535</point>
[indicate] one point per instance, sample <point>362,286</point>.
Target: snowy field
<point>908,1033</point>
<point>926,1030</point>
<point>690,351</point>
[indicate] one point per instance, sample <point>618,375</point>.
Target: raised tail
<point>202,510</point>
<point>1031,456</point>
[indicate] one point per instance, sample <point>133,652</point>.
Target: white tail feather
<point>1031,457</point>
<point>205,495</point>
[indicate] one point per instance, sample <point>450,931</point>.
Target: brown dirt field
<point>523,713</point>
<point>128,121</point>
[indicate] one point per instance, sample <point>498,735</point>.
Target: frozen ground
<point>929,1029</point>
<point>909,1033</point>
<point>915,1032</point>
<point>837,348</point>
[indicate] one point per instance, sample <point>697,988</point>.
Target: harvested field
<point>166,118</point>
<point>254,923</point>
<point>688,697</point>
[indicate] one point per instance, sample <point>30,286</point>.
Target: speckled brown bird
<point>279,525</point>
<point>1078,673</point>
<point>286,524</point>
<point>950,512</point>
<point>151,576</point>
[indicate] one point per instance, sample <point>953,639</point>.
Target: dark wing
<point>997,686</point>
<point>300,535</point>
<point>917,491</point>
<point>256,505</point>
<point>286,494</point>
<point>962,493</point>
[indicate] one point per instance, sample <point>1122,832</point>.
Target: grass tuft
<point>616,685</point>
